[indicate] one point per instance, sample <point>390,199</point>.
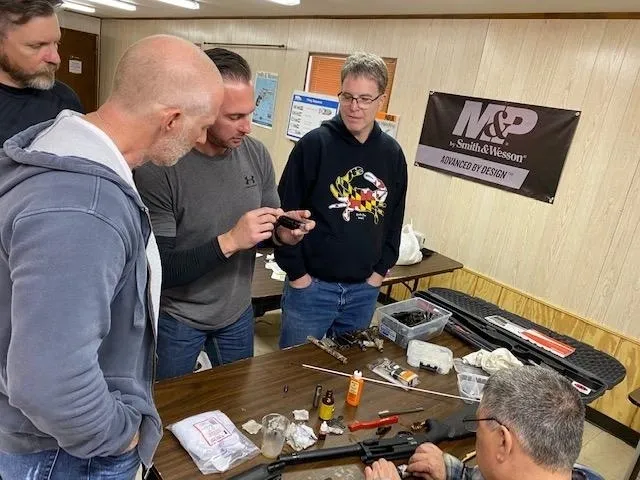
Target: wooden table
<point>266,292</point>
<point>254,387</point>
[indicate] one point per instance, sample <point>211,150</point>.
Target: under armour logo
<point>249,180</point>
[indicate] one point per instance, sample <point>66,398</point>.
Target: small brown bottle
<point>327,406</point>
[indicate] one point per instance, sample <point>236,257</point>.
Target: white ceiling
<point>264,8</point>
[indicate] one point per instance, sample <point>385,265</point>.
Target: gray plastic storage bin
<point>401,334</point>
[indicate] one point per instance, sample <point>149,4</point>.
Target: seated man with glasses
<point>529,425</point>
<point>352,177</point>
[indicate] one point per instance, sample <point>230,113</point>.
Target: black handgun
<point>288,222</point>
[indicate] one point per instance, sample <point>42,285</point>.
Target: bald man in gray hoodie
<point>80,269</point>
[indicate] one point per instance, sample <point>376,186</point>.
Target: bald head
<point>163,70</point>
<point>166,94</point>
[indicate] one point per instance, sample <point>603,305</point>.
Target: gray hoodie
<point>77,340</point>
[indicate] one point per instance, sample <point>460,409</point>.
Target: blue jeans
<point>179,345</point>
<point>325,308</point>
<point>59,465</point>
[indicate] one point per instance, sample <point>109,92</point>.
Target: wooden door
<point>79,65</point>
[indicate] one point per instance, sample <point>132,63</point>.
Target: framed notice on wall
<point>266,86</point>
<point>516,147</point>
<point>308,111</point>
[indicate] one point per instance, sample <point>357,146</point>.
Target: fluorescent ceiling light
<point>289,3</point>
<point>190,4</point>
<point>76,7</point>
<point>116,4</point>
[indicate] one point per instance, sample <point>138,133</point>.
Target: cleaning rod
<point>335,372</point>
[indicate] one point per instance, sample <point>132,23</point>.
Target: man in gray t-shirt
<point>208,213</point>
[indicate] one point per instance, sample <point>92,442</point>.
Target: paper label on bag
<point>212,431</point>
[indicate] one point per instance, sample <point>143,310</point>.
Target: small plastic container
<point>471,386</point>
<point>401,334</point>
<point>461,367</point>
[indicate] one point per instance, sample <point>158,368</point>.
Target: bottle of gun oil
<point>356,384</point>
<point>327,406</point>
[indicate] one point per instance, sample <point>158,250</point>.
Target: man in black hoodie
<point>353,178</point>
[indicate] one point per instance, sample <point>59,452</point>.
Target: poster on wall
<point>388,123</point>
<point>308,111</point>
<point>266,86</point>
<point>513,146</point>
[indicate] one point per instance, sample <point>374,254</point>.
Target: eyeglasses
<point>363,101</point>
<point>471,422</point>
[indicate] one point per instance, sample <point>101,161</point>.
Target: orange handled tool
<point>358,425</point>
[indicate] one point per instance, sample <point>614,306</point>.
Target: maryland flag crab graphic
<point>359,199</point>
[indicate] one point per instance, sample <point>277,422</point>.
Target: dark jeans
<point>59,465</point>
<point>325,308</point>
<point>179,345</point>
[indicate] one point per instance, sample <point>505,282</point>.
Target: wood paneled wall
<point>581,253</point>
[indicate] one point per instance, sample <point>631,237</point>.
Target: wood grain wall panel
<point>569,229</point>
<point>625,299</point>
<point>447,66</point>
<point>615,403</point>
<point>578,253</point>
<point>400,292</point>
<point>464,281</point>
<point>423,283</point>
<point>568,324</point>
<point>538,312</point>
<point>616,297</point>
<point>601,339</point>
<point>488,290</point>
<point>512,301</point>
<point>444,280</point>
<point>611,164</point>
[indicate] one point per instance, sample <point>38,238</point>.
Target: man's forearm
<point>180,267</point>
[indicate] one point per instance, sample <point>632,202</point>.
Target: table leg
<point>634,468</point>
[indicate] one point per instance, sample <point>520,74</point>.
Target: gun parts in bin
<point>411,318</point>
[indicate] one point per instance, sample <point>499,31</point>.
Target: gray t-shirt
<point>196,200</point>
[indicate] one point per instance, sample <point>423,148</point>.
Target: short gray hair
<point>542,409</point>
<point>361,64</point>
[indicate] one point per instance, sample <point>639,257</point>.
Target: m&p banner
<point>517,147</point>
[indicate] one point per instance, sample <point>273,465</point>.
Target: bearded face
<point>29,53</point>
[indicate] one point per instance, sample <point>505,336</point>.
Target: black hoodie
<point>356,194</point>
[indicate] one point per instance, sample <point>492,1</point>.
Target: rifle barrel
<point>322,454</point>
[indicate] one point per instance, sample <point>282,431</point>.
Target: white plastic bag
<point>491,362</point>
<point>213,441</point>
<point>409,247</point>
<point>430,356</point>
